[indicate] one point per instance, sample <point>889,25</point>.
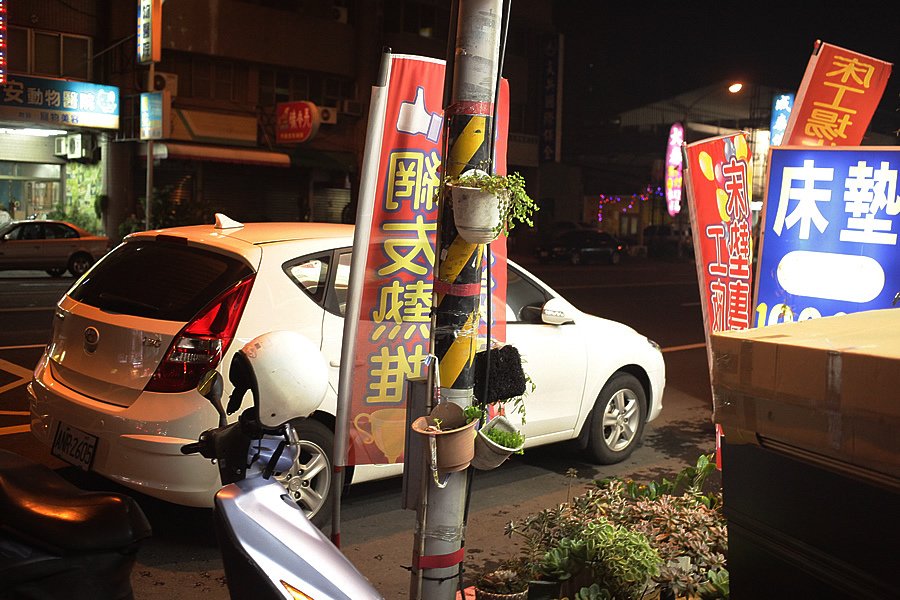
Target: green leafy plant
<point>682,519</point>
<point>515,203</point>
<point>617,559</point>
<point>594,592</point>
<point>473,413</point>
<point>507,439</point>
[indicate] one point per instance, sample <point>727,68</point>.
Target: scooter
<point>62,542</point>
<point>58,541</point>
<point>269,548</point>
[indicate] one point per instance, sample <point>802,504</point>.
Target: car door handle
<point>335,363</point>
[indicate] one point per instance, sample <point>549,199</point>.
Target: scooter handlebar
<point>192,448</point>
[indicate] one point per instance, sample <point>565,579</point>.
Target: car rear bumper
<point>138,446</point>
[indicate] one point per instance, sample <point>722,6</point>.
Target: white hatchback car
<point>115,389</point>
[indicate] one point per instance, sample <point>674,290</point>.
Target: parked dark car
<point>582,246</point>
<point>52,246</point>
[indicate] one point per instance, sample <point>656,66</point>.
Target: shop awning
<point>164,150</point>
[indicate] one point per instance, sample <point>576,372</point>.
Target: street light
<point>733,88</point>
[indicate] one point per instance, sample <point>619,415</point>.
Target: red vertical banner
<point>838,96</point>
<point>717,176</point>
<point>392,334</point>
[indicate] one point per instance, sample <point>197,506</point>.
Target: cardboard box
<point>828,386</point>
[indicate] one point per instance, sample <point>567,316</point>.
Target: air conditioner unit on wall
<point>166,81</point>
<point>328,114</point>
<point>80,146</point>
<point>351,107</point>
<point>60,146</point>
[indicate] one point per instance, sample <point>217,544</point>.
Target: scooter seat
<point>44,509</point>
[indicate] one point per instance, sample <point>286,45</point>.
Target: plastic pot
<point>488,453</point>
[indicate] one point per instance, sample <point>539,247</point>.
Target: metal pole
<point>457,287</point>
<point>151,86</point>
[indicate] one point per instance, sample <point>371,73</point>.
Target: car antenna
<point>226,222</point>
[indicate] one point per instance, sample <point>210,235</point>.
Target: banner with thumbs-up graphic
<point>387,335</point>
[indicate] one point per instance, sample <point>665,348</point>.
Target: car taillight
<point>201,344</point>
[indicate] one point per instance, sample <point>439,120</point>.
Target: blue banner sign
<point>830,240</point>
<point>59,103</point>
<point>781,111</point>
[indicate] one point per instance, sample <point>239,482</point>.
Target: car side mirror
<point>555,312</point>
<point>211,387</point>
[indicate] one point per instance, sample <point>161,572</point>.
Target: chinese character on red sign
<point>296,122</point>
<point>838,96</point>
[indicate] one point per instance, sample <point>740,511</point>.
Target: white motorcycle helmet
<point>286,373</point>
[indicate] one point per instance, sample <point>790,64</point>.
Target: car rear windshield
<point>159,280</point>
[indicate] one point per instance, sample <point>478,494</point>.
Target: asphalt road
<point>659,299</point>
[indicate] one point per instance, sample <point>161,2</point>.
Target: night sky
<point>646,51</point>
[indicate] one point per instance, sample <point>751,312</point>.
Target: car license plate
<point>74,446</point>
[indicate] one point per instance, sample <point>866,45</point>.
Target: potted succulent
<point>501,584</point>
<point>486,205</point>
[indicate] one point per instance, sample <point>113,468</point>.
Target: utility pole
<point>468,125</point>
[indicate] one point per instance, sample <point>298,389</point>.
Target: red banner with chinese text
<point>838,96</point>
<point>717,175</point>
<point>393,333</point>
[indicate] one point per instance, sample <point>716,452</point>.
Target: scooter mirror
<point>211,387</point>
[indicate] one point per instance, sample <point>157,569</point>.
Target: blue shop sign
<point>59,103</point>
<point>781,112</point>
<point>830,239</point>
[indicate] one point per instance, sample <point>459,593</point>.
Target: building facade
<point>224,67</point>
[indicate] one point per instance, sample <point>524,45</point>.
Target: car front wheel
<point>308,481</point>
<point>618,420</point>
<point>80,263</point>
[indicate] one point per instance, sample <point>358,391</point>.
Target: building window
<point>49,53</point>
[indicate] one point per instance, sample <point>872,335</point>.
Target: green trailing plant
<point>516,206</point>
<point>473,413</point>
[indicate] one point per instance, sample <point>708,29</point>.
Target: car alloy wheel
<point>618,419</point>
<point>79,264</point>
<point>575,258</point>
<point>308,481</point>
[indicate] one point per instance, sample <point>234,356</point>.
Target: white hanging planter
<point>476,214</point>
<point>488,453</point>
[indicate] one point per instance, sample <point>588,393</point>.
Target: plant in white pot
<point>485,205</point>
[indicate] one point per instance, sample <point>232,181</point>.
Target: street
<point>659,299</point>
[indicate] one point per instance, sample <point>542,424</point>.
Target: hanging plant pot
<point>476,214</point>
<point>488,453</point>
<point>453,437</point>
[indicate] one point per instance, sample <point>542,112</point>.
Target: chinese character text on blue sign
<point>832,220</point>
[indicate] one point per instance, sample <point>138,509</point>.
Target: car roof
<point>82,232</point>
<point>244,238</point>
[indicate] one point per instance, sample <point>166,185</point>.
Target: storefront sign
<point>296,122</point>
<point>717,174</point>
<point>830,239</point>
<point>3,44</point>
<point>781,112</point>
<point>154,111</point>
<point>673,168</point>
<point>838,96</point>
<point>550,106</point>
<point>59,103</point>
<point>149,31</point>
<point>396,248</point>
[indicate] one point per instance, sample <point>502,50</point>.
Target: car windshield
<point>159,280</point>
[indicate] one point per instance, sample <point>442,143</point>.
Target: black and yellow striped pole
<point>468,116</point>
